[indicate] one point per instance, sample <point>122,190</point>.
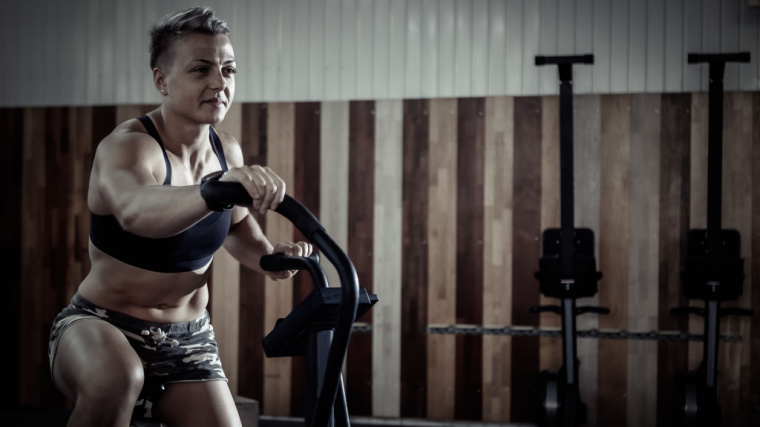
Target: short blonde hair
<point>200,20</point>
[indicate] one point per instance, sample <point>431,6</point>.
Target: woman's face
<point>199,79</point>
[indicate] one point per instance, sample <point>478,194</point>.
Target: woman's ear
<point>159,80</point>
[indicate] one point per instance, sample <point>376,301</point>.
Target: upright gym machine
<point>319,328</point>
<point>567,268</point>
<point>714,269</point>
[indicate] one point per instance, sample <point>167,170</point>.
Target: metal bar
<point>529,331</point>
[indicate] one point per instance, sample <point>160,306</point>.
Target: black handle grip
<point>736,311</point>
<point>234,193</point>
<point>568,59</point>
<point>282,262</point>
<point>694,58</point>
<point>681,311</point>
<point>591,309</point>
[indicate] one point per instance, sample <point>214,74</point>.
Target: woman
<point>136,337</point>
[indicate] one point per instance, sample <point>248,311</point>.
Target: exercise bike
<point>714,269</point>
<point>567,269</point>
<point>319,328</point>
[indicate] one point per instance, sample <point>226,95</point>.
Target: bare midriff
<point>147,295</point>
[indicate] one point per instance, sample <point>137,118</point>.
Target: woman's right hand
<point>264,186</point>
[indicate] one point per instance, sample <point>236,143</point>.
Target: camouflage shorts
<point>170,352</point>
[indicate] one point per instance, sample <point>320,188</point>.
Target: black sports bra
<point>187,251</point>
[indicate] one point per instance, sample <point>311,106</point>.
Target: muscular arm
<point>125,183</point>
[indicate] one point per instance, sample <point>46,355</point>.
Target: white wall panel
<point>748,41</point>
<point>548,45</point>
<point>463,48</point>
<point>602,46</point>
<point>530,48</point>
<point>674,54</point>
<point>655,77</point>
<point>480,58</point>
<point>497,46</point>
<point>92,52</point>
<point>584,43</point>
<point>637,48</point>
<point>429,84</point>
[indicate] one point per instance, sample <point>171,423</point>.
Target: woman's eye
<point>230,70</point>
<point>200,69</point>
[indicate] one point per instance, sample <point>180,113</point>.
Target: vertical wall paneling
<point>730,27</point>
<point>414,267</point>
<point>710,34</point>
<point>278,295</point>
<point>361,184</point>
<point>253,141</point>
<point>429,33</point>
<point>526,225</point>
<point>413,59</point>
<point>480,48</point>
<point>566,27</point>
<point>446,40</point>
<point>550,347</point>
<point>397,35</point>
<point>271,52</point>
<point>548,45</point>
<point>587,174</point>
<point>32,369</point>
<point>306,189</point>
<point>334,176</point>
<point>373,49</point>
<point>497,53</point>
<point>674,224</point>
<point>11,131</point>
<point>602,46</point>
<point>333,49</point>
<point>531,39</point>
<point>643,257</point>
<point>317,48</point>
<point>749,40</point>
<point>463,59</point>
<point>637,48</point>
<point>302,49</point>
<point>619,45</point>
<point>349,65</point>
<point>286,47</point>
<point>442,256</point>
<point>514,41</point>
<point>675,57</point>
<point>251,77</point>
<point>469,262</point>
<point>734,358</point>
<point>655,59</point>
<point>754,264</point>
<point>225,282</point>
<point>325,50</point>
<point>692,74</point>
<point>615,149</point>
<point>584,43</point>
<point>387,254</point>
<point>497,263</point>
<point>698,201</point>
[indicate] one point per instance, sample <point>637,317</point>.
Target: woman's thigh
<point>95,357</point>
<point>203,403</point>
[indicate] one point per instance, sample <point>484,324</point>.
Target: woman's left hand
<point>300,249</point>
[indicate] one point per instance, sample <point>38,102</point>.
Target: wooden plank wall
<point>441,204</point>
